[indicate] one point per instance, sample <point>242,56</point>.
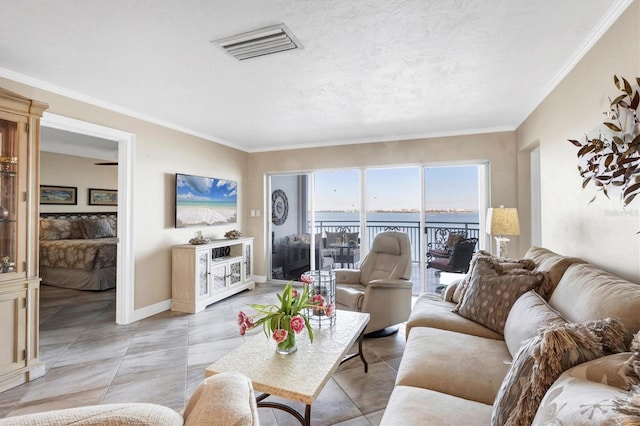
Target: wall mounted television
<point>205,201</point>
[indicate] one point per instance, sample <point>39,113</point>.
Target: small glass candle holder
<point>323,289</point>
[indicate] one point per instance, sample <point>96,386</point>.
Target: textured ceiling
<point>370,70</point>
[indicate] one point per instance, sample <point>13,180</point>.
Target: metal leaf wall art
<point>611,161</point>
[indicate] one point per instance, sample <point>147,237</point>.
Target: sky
<point>447,187</point>
<point>198,188</point>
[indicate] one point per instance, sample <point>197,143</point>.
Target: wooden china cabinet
<point>19,282</point>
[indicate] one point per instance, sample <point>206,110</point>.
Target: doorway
<point>125,259</point>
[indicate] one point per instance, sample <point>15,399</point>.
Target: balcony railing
<point>434,230</point>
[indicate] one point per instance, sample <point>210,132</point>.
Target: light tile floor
<point>161,359</point>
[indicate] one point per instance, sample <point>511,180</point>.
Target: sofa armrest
<point>223,399</point>
<point>112,414</point>
<point>347,276</point>
<point>447,295</point>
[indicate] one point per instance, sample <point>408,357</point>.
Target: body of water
<point>398,217</point>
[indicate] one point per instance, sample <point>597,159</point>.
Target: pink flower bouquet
<point>282,322</point>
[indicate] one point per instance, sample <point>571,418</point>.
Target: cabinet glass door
<point>8,194</point>
<point>235,272</point>
<point>219,275</point>
<point>203,273</point>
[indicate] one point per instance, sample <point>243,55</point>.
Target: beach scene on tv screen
<point>205,201</point>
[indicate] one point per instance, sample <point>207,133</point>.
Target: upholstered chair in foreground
<point>220,400</point>
<point>381,286</point>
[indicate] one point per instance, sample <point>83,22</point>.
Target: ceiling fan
<point>107,164</point>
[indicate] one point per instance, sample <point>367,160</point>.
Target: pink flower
<point>330,309</point>
<point>307,279</point>
<point>294,293</point>
<point>280,335</point>
<point>243,329</point>
<point>318,300</point>
<point>242,317</point>
<point>297,324</point>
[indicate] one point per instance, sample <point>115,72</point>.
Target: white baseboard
<point>260,278</point>
<point>148,311</point>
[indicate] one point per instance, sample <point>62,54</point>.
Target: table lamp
<point>502,221</point>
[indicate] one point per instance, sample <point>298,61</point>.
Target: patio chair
<point>459,259</point>
<point>443,245</point>
<point>381,286</point>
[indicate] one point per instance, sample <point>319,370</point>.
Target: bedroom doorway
<point>125,153</point>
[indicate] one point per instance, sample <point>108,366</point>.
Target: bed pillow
<point>528,314</point>
<point>97,228</point>
<point>55,229</point>
<point>492,292</point>
<point>538,363</point>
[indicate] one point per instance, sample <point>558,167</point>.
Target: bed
<point>78,250</point>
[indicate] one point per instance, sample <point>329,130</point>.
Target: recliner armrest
<point>390,284</point>
<point>347,276</point>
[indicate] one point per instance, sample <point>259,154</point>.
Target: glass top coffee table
<point>302,375</point>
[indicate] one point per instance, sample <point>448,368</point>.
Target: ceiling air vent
<point>265,41</point>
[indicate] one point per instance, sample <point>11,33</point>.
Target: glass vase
<point>288,345</point>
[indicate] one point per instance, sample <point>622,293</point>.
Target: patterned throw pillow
<point>538,363</point>
<point>98,228</point>
<point>502,263</point>
<point>54,229</point>
<point>492,292</point>
<point>632,366</point>
<point>629,405</point>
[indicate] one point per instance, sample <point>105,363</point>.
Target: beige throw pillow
<point>528,315</point>
<point>54,229</point>
<point>492,292</point>
<point>538,363</point>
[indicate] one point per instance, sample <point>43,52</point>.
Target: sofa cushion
<point>538,363</point>
<point>552,263</point>
<point>586,292</point>
<point>431,311</point>
<point>585,394</point>
<point>528,314</point>
<point>492,292</point>
<point>223,399</point>
<point>409,405</point>
<point>54,229</point>
<point>450,362</point>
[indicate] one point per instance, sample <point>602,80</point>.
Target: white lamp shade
<point>503,221</point>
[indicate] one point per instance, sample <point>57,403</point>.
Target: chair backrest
<point>388,258</point>
<point>462,253</point>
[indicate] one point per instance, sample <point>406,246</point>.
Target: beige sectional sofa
<point>224,399</point>
<point>453,368</point>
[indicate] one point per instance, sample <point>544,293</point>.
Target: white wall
<point>160,153</point>
<point>602,232</point>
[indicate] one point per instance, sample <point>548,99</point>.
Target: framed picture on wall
<point>58,195</point>
<point>103,197</point>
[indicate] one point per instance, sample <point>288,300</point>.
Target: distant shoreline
<point>450,211</point>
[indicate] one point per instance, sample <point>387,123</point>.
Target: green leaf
<point>608,159</point>
<point>592,200</point>
<point>612,126</point>
<point>631,189</point>
<point>575,142</point>
<point>586,182</point>
<point>635,101</point>
<point>628,200</point>
<point>627,86</point>
<point>618,99</point>
<point>616,81</point>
